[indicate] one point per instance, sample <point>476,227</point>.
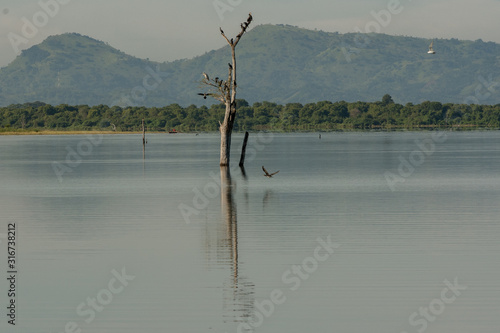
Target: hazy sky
<point>166,30</point>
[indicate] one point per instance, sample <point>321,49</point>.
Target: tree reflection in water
<point>238,291</point>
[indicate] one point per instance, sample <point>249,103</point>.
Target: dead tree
<point>225,92</point>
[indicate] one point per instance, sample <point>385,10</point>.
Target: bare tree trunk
<point>225,147</point>
<point>226,130</point>
<point>243,150</point>
<point>230,115</point>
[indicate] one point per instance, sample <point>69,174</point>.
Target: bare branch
<point>216,89</point>
<point>244,27</point>
<point>223,35</point>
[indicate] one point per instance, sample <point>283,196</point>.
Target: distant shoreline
<point>55,132</point>
<point>373,129</point>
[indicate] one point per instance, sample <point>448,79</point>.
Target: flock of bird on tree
<point>219,88</point>
<point>225,92</point>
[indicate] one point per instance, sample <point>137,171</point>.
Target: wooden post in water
<point>143,133</point>
<point>243,150</point>
<point>143,140</point>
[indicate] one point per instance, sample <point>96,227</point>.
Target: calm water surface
<point>198,258</point>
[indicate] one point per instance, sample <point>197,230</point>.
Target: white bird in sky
<point>431,50</point>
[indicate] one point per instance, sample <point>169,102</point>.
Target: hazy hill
<point>69,68</point>
<point>280,63</point>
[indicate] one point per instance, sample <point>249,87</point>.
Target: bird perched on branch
<point>221,31</point>
<point>250,18</point>
<point>230,66</point>
<point>206,76</point>
<point>267,174</point>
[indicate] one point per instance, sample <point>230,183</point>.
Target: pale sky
<point>166,30</point>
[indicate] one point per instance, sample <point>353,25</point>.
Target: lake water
<point>358,232</point>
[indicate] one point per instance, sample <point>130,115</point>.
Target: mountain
<point>69,68</point>
<point>276,63</point>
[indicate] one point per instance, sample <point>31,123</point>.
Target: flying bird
<point>431,50</point>
<point>267,174</point>
<point>206,76</point>
<point>205,95</point>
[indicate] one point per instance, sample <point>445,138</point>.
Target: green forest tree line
<point>325,115</point>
